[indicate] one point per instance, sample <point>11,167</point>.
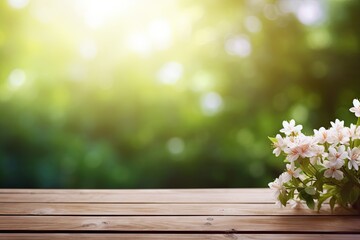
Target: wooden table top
<point>164,214</point>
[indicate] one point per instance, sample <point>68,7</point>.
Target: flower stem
<point>351,177</point>
<point>313,167</point>
<point>356,142</point>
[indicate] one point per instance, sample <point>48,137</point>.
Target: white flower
<point>333,170</point>
<point>335,149</point>
<point>290,128</point>
<point>354,158</point>
<point>356,108</point>
<point>277,186</point>
<point>296,204</point>
<point>320,154</point>
<point>290,172</point>
<point>321,135</point>
<point>301,147</point>
<point>278,204</point>
<point>337,156</point>
<point>337,125</point>
<point>353,131</point>
<point>279,145</point>
<point>339,136</point>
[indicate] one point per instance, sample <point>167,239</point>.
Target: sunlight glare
<point>211,103</point>
<point>77,71</point>
<point>170,73</point>
<point>139,43</point>
<point>310,12</point>
<point>17,4</point>
<point>160,33</point>
<point>238,45</point>
<point>202,81</point>
<point>17,78</point>
<point>253,24</point>
<point>88,49</point>
<point>41,12</point>
<point>96,13</point>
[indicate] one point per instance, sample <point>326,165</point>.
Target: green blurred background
<point>167,94</point>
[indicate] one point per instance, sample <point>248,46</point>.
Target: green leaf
<point>304,162</point>
<point>296,182</point>
<point>321,199</point>
<point>274,140</point>
<point>354,195</point>
<point>300,189</point>
<point>319,184</point>
<point>345,193</point>
<point>310,203</point>
<point>283,198</point>
<point>308,199</point>
<point>304,165</point>
<point>320,173</point>
<point>291,194</point>
<point>310,190</point>
<point>306,181</point>
<point>332,203</point>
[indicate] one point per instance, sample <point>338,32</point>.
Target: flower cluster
<point>320,167</point>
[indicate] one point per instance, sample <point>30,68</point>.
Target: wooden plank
<point>138,191</point>
<point>109,209</point>
<point>230,236</point>
<point>313,224</point>
<point>140,196</point>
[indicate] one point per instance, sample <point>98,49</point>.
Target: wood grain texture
<point>165,214</point>
<point>328,224</point>
<point>139,196</point>
<point>110,209</point>
<point>226,236</point>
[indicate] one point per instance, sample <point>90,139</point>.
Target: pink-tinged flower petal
<point>350,165</point>
<point>356,103</point>
<point>332,150</point>
<point>328,173</point>
<point>296,204</point>
<point>356,108</point>
<point>339,163</point>
<point>297,173</point>
<point>338,175</point>
<point>337,125</point>
<point>356,166</point>
<point>286,177</point>
<point>278,204</point>
<point>292,158</point>
<point>344,155</point>
<point>290,128</point>
<point>353,163</point>
<point>277,152</point>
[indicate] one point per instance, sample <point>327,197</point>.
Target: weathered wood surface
<point>178,236</point>
<point>165,214</point>
<point>184,224</point>
<point>225,236</point>
<point>105,209</point>
<point>139,196</point>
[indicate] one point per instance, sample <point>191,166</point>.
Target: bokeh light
<point>310,12</point>
<point>16,78</point>
<point>166,93</point>
<point>238,45</point>
<point>18,3</point>
<point>211,103</point>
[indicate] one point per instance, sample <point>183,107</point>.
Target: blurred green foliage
<point>167,94</point>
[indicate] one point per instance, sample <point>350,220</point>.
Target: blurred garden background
<point>165,93</point>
